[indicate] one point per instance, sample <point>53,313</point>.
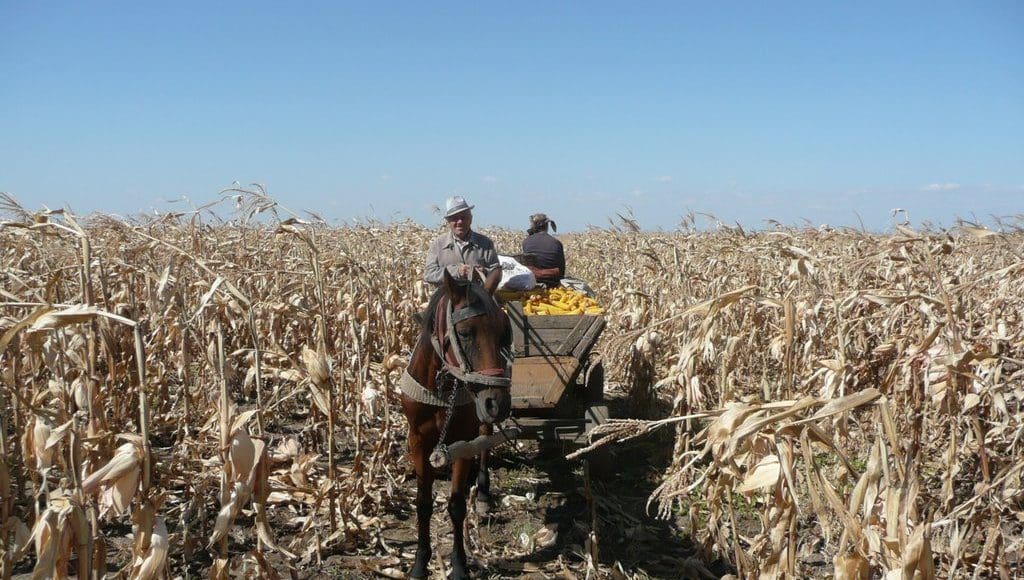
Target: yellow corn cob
<point>559,301</point>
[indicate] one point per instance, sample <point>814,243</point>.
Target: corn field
<point>190,394</point>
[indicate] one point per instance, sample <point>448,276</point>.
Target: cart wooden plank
<point>572,339</point>
<point>554,321</point>
<point>558,341</point>
<point>547,341</point>
<point>518,320</point>
<point>589,338</point>
<point>549,335</point>
<point>540,381</point>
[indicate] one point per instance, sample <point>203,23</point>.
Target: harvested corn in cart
<point>553,301</point>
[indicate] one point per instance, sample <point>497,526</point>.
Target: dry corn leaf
<point>151,565</point>
<point>57,435</point>
<point>37,438</point>
<point>851,566</point>
<point>242,454</point>
<point>317,367</point>
<point>764,474</point>
<point>61,318</point>
<point>119,478</point>
<point>917,555</point>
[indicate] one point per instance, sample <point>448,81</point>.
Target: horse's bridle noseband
<point>460,368</point>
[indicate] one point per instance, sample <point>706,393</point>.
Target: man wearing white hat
<point>460,250</point>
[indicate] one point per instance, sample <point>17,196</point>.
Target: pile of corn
<point>560,301</point>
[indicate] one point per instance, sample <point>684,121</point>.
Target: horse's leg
<point>457,511</point>
<point>483,477</point>
<point>424,505</point>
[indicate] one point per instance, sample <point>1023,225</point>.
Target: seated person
<point>547,256</point>
<point>460,250</point>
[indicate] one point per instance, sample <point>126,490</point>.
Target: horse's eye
<point>466,333</point>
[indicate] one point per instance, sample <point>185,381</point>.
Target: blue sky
<point>748,111</point>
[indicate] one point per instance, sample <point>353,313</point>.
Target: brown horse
<point>455,387</point>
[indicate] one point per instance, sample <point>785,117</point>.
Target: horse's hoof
<point>419,569</point>
<point>458,572</point>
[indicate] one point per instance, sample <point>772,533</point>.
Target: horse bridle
<point>460,368</point>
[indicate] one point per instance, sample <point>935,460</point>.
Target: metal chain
<point>441,446</point>
<point>448,419</point>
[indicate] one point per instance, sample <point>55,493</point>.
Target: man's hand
<point>464,271</point>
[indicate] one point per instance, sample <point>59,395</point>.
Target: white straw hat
<point>456,204</point>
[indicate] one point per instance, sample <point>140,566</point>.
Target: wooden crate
<point>549,353</point>
<point>539,382</point>
<point>565,335</point>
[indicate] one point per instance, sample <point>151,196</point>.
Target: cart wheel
<point>594,384</point>
<point>599,461</point>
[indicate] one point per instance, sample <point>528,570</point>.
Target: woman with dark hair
<point>546,256</point>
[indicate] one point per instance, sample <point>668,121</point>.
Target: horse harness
<point>456,375</point>
<point>455,371</point>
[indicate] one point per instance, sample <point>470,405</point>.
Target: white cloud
<point>949,186</point>
<point>489,179</point>
<point>664,178</point>
<point>385,177</point>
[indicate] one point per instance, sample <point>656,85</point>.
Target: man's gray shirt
<point>445,252</point>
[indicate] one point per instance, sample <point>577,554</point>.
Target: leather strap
<point>417,392</point>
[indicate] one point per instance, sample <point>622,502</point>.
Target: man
<point>460,250</point>
<point>546,252</point>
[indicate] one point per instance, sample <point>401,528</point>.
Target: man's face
<point>459,223</point>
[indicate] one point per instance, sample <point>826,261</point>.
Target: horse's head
<point>480,341</point>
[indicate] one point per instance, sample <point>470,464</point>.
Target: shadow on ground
<point>555,494</point>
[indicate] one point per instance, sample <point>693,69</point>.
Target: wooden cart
<point>557,379</point>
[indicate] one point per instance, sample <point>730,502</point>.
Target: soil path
<point>546,509</point>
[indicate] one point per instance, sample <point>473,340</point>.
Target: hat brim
<point>458,210</point>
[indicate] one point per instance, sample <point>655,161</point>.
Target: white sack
<point>515,276</point>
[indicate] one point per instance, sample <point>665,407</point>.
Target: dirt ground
<point>546,508</point>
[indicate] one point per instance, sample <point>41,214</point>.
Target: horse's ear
<point>455,289</point>
<point>492,281</point>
